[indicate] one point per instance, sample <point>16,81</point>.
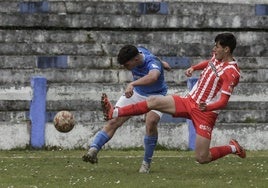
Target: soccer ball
<point>64,121</point>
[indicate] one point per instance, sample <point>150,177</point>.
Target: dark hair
<point>127,53</point>
<point>226,39</point>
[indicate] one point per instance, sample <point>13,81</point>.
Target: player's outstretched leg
<point>107,107</point>
<point>240,151</point>
<point>100,139</point>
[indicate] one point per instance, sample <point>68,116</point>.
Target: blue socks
<point>100,139</point>
<point>149,146</point>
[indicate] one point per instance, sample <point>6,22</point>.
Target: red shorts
<point>203,121</point>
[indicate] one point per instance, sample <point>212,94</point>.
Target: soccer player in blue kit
<point>148,80</point>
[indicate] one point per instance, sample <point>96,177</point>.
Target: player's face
<point>219,51</point>
<point>130,64</point>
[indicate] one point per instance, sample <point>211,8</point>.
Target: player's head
<point>226,40</point>
<point>127,53</point>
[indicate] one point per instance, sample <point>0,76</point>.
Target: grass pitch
<point>38,169</point>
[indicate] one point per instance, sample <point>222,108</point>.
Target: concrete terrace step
<point>195,1</point>
<point>107,43</point>
<point>86,116</point>
<point>86,98</point>
<point>104,62</point>
<point>84,15</point>
<point>112,76</point>
<point>243,112</point>
<point>112,6</point>
<point>244,92</point>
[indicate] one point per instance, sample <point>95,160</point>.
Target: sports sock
<point>218,152</point>
<point>149,146</point>
<point>233,148</point>
<point>134,109</point>
<point>100,139</point>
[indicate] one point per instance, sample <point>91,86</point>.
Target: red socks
<point>134,109</point>
<point>219,152</point>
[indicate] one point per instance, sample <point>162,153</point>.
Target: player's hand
<point>189,72</point>
<point>202,106</point>
<point>129,91</point>
<point>166,66</point>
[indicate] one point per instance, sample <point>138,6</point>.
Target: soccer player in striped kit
<point>211,93</point>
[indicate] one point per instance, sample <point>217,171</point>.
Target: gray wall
<point>90,33</point>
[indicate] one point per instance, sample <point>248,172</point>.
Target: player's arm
<point>148,79</point>
<point>199,66</point>
<point>165,64</point>
<point>229,82</point>
<point>220,104</point>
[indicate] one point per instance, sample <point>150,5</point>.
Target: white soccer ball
<point>64,121</point>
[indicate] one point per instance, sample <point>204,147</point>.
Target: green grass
<point>31,168</point>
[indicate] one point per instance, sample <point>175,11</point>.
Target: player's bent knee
<point>152,123</point>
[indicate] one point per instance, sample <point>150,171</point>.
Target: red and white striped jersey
<point>216,78</point>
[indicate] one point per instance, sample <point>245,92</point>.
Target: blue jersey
<point>151,62</point>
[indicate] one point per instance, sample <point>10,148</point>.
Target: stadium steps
<point>88,35</point>
<point>84,102</point>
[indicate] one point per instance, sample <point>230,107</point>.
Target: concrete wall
<point>88,35</point>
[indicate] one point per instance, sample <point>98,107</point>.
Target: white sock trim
<point>233,148</point>
<point>115,113</point>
